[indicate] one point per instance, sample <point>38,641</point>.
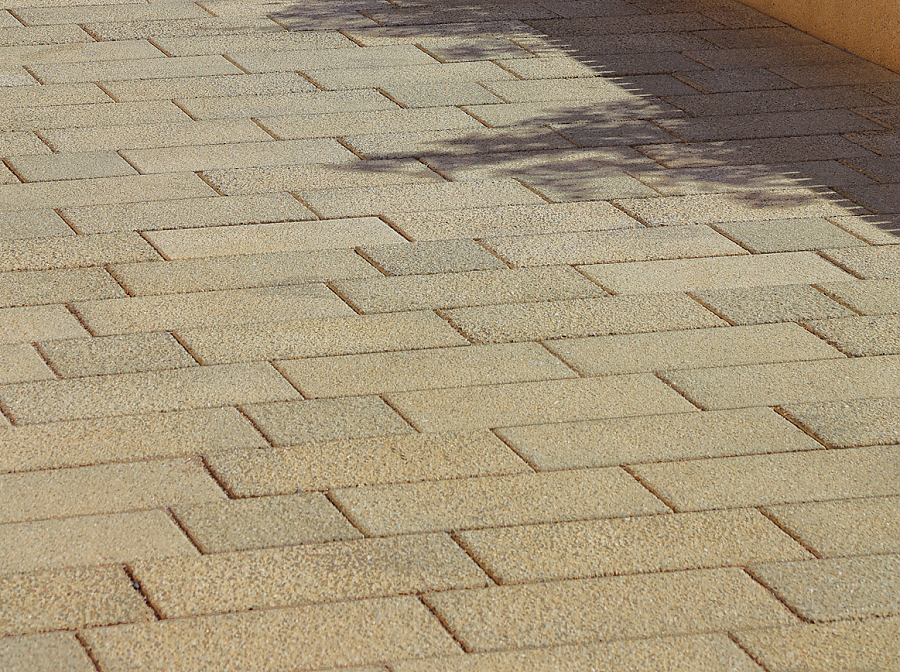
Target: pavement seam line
<point>459,542</point>
<point>139,587</point>
<point>749,572</point>
<point>764,511</point>
<point>87,649</point>
<point>631,472</point>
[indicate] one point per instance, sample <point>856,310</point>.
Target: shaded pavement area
<point>450,336</point>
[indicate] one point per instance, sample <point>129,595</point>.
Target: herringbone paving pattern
<point>445,335</point>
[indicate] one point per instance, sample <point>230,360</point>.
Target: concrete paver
<point>319,320</point>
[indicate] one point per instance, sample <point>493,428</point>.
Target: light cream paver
<point>382,121</point>
<point>423,369</point>
<point>65,251</point>
<point>869,262</point>
<point>126,133</point>
<point>654,438</point>
<point>432,256</point>
<point>833,589</point>
<point>32,224</point>
<point>348,78</point>
<point>276,237</point>
<point>871,644</point>
<point>35,323</point>
<point>79,52</point>
<point>364,461</point>
<point>870,297</point>
<point>91,115</point>
<point>630,546</point>
<point>515,220</point>
<point>40,16</point>
<point>368,59</point>
<point>850,527</point>
<point>188,213</point>
<point>168,88</point>
<point>318,338</point>
<point>281,577</point>
<point>115,354</point>
<point>21,363</point>
<point>608,608</point>
<point>117,28</point>
<point>786,268</point>
<point>861,335</point>
<point>696,348</point>
<point>90,540</point>
<point>120,439</point>
<point>771,303</point>
<point>696,653</point>
<point>582,317</point>
<point>62,493</point>
<point>473,288</point>
<point>132,393</point>
<point>791,382</point>
<point>757,480</point>
<point>844,424</point>
<point>237,525</point>
<point>186,66</point>
<point>289,422</point>
<point>491,501</point>
<point>320,102</point>
<point>21,143</point>
<point>788,235</point>
<point>24,288</point>
<point>622,245</point>
<point>68,599</point>
<point>278,640</point>
<point>101,191</point>
<point>209,309</point>
<point>257,41</point>
<point>55,652</point>
<point>535,402</point>
<point>241,271</point>
<point>415,95</point>
<point>223,156</point>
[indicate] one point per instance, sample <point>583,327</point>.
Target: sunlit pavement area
<point>445,336</point>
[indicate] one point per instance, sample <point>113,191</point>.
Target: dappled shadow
<point>641,113</point>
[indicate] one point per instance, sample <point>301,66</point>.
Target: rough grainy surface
<point>485,336</point>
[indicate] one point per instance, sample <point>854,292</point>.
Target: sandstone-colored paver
<point>870,297</point>
<point>295,127</point>
<point>21,363</point>
<point>843,424</point>
<point>491,501</point>
<point>437,256</point>
<point>75,443</point>
<point>71,166</point>
<point>54,652</point>
<point>771,303</point>
<point>237,525</point>
<point>115,354</point>
<point>68,599</point>
<point>35,323</point>
<point>608,608</point>
<point>653,438</point>
<point>757,480</point>
<point>26,224</point>
<point>363,461</point>
<point>28,288</point>
<point>789,235</point>
<point>336,571</point>
<point>837,588</point>
<point>849,527</point>
<point>52,250</point>
<point>861,335</point>
<point>870,262</point>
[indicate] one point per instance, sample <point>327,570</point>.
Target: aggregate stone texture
<point>388,336</point>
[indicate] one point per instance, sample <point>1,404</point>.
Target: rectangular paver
<point>21,363</point>
<point>105,355</point>
<point>844,424</point>
<point>65,251</point>
<point>53,652</point>
<point>36,323</point>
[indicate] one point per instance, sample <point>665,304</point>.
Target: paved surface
<point>451,336</point>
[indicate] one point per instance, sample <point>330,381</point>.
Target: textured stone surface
<point>55,652</point>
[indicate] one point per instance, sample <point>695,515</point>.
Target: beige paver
<point>491,501</point>
<point>21,143</point>
<point>431,256</point>
<point>858,422</point>
<point>630,546</point>
<point>320,102</point>
<point>756,480</point>
<point>871,297</point>
<point>40,16</point>
<point>332,572</point>
<point>22,363</point>
<point>868,262</point>
<point>65,251</point>
<point>88,116</point>
<point>786,268</point>
<point>26,224</point>
<point>69,599</point>
<point>697,653</point>
<point>132,393</point>
<point>423,369</point>
<point>788,235</point>
<point>209,309</point>
<point>154,26</point>
<point>696,348</point>
<point>290,422</point>
<point>854,645</point>
<point>861,335</point>
<point>257,41</point>
<point>121,439</point>
<point>168,88</point>
<point>35,323</point>
<point>115,354</point>
<point>771,303</point>
<point>185,66</point>
<point>270,238</point>
<point>295,127</point>
<point>54,652</point>
<point>387,56</point>
<point>582,317</point>
<point>79,52</point>
<point>23,288</point>
<point>237,525</point>
<point>608,608</point>
<point>188,213</point>
<point>850,527</point>
<point>278,640</point>
<point>653,438</point>
<point>315,338</point>
<point>90,540</point>
<point>536,402</point>
<point>363,461</point>
<point>839,588</point>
